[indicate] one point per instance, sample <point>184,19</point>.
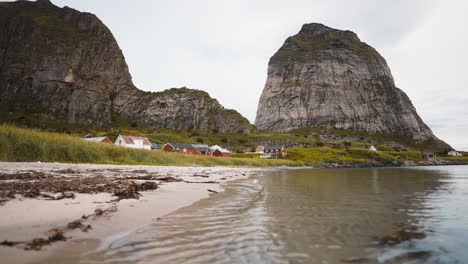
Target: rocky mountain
<point>324,77</point>
<point>184,109</point>
<point>62,65</point>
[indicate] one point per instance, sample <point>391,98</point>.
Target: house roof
<point>272,147</point>
<point>130,139</point>
<point>95,139</point>
<point>180,145</point>
<point>201,148</point>
<point>221,149</point>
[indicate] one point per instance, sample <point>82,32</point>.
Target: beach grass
<point>22,145</point>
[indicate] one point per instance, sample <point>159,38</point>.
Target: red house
<point>218,151</point>
<point>221,153</point>
<point>182,148</point>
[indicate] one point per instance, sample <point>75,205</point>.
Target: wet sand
<point>115,201</point>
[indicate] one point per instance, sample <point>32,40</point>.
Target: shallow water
<point>312,216</point>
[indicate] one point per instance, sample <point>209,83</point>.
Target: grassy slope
<point>17,144</point>
<point>325,155</point>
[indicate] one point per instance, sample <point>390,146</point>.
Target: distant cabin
<point>429,155</point>
<point>454,153</point>
<point>133,142</point>
<point>104,140</point>
<point>203,149</point>
<point>218,151</point>
<point>273,149</point>
<point>182,148</point>
<point>154,146</point>
<point>373,148</point>
<point>259,149</point>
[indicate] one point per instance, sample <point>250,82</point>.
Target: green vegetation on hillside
<point>321,156</point>
<point>311,45</point>
<point>381,141</point>
<point>48,20</point>
<point>17,144</point>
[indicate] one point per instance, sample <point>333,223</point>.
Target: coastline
<point>103,217</point>
<point>25,219</point>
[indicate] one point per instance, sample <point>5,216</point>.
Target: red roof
<point>129,139</point>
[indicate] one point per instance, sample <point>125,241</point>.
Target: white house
<point>133,142</point>
<point>373,148</point>
<point>454,153</point>
<point>259,149</point>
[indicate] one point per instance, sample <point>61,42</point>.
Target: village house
<point>454,153</point>
<point>429,155</point>
<point>273,149</point>
<point>182,148</point>
<point>270,152</point>
<point>203,149</point>
<point>259,149</point>
<point>133,142</point>
<point>104,140</point>
<point>218,151</point>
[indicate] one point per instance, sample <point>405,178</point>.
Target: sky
<point>223,47</point>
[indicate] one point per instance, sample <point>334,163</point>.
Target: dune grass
<point>19,144</point>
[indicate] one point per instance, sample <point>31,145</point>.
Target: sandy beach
<point>45,206</point>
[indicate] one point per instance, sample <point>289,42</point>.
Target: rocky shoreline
<point>389,163</point>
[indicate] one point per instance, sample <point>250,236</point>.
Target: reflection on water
<point>401,215</point>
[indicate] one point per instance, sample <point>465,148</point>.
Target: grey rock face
<point>329,78</point>
<point>61,65</point>
<point>184,109</point>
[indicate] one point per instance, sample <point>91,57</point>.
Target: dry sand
<point>23,219</point>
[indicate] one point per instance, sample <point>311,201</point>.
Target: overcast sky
<point>223,47</point>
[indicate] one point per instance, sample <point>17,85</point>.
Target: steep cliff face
<point>329,78</point>
<point>184,109</point>
<point>62,65</point>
